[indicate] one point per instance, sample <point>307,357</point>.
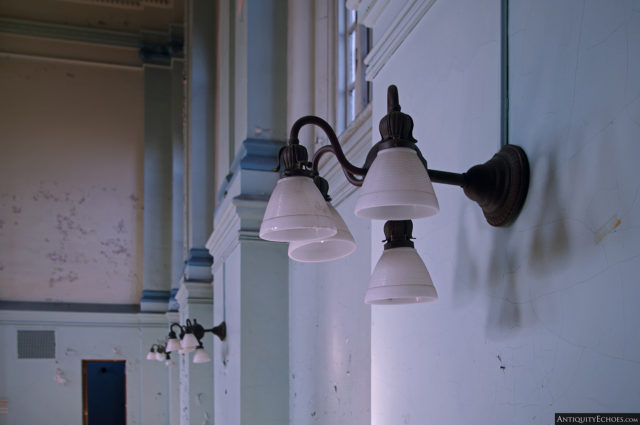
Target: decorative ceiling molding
<point>153,46</point>
<point>397,32</point>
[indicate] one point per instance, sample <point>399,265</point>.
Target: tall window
<point>354,42</point>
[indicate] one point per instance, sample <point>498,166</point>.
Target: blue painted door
<point>105,392</point>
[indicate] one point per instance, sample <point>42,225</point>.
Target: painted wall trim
<point>37,57</point>
<point>69,307</point>
<point>46,319</point>
<point>172,37</point>
<point>397,32</point>
<point>69,33</point>
<point>154,294</point>
<point>504,72</point>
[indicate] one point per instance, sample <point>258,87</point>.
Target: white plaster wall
<point>330,334</point>
<point>33,394</point>
<point>70,182</point>
<point>540,317</point>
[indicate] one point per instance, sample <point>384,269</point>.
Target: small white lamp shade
<point>400,277</point>
<point>189,342</point>
<point>201,356</point>
<point>296,211</point>
<point>396,187</point>
<point>151,355</point>
<point>337,246</point>
<point>159,357</point>
<point>173,345</point>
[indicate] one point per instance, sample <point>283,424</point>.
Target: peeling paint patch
<point>120,228</point>
<point>608,227</point>
<point>116,246</point>
<point>57,257</point>
<point>61,275</point>
<point>66,224</point>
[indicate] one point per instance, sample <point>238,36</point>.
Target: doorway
<point>103,392</point>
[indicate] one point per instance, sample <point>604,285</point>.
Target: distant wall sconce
<point>396,186</point>
<point>159,352</point>
<point>190,339</point>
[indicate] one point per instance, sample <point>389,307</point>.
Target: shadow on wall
<point>547,242</point>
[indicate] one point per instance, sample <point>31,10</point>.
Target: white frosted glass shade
<point>151,355</point>
<point>201,356</point>
<point>337,246</point>
<point>189,342</point>
<point>396,187</point>
<point>400,277</point>
<point>173,345</point>
<point>159,357</point>
<point>296,211</point>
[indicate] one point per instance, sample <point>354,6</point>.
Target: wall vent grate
<point>36,345</point>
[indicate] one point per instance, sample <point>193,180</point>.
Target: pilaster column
<point>196,380</point>
<point>157,188</point>
<point>251,366</point>
<point>200,136</point>
<point>177,175</point>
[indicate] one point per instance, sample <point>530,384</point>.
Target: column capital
<point>243,197</point>
<point>194,293</point>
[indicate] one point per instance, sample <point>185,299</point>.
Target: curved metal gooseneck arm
<point>499,185</point>
<point>349,169</point>
<point>354,174</point>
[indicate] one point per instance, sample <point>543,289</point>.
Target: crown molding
<point>152,46</point>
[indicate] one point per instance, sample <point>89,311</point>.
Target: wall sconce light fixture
<point>159,352</point>
<point>396,186</point>
<point>190,339</point>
